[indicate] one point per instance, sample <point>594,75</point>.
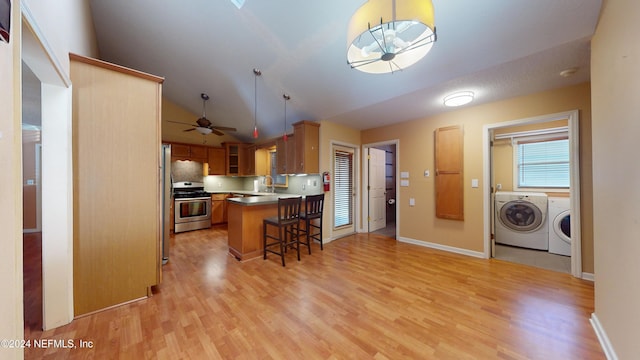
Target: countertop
<point>261,200</point>
<point>242,192</point>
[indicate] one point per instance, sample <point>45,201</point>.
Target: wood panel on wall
<point>116,159</point>
<point>449,183</point>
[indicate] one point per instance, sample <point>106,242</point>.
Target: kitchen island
<point>245,216</point>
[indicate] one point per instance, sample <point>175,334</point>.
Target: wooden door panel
<point>449,180</point>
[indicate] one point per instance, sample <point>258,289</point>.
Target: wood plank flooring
<point>363,297</point>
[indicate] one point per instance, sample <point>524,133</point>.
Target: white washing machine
<point>521,219</point>
<point>560,225</point>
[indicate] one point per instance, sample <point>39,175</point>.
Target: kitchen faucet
<point>270,188</point>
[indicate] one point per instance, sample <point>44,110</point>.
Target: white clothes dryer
<point>560,225</point>
<point>521,219</point>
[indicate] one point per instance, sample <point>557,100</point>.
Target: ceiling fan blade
<point>219,133</point>
<point>190,129</point>
<point>178,122</point>
<point>223,128</point>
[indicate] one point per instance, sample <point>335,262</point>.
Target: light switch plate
<point>412,202</point>
<point>426,173</point>
<point>404,175</point>
<point>474,183</point>
<point>404,182</point>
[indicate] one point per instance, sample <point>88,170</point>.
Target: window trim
<point>350,200</point>
<point>551,136</point>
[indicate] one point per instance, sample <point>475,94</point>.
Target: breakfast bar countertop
<point>261,199</point>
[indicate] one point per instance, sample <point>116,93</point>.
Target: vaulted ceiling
<point>495,48</point>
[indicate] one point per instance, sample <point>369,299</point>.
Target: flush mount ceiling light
<point>458,98</point>
<point>390,35</point>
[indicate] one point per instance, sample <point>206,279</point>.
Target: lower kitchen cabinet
<point>218,208</point>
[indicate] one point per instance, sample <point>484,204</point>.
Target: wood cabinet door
<point>249,160</point>
<point>449,182</point>
<point>199,152</point>
<point>306,154</point>
<point>218,208</point>
<point>233,159</point>
<point>281,156</point>
<point>216,160</point>
<point>181,151</point>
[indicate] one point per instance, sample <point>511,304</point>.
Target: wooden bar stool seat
<point>288,224</point>
<point>312,211</point>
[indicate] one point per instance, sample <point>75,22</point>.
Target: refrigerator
<point>166,185</point>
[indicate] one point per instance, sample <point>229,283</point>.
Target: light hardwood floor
<point>364,297</point>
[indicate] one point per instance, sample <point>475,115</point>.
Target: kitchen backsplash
<point>302,185</point>
<point>192,171</point>
<point>186,171</point>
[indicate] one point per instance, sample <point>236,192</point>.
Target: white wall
<point>615,84</point>
<point>11,326</point>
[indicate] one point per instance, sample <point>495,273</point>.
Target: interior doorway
<point>31,202</point>
<point>491,161</point>
<point>56,174</point>
<point>387,158</point>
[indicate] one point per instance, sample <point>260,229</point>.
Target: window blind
<point>343,178</point>
<point>543,163</point>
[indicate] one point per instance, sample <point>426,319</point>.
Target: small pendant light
<point>284,132</point>
<point>256,73</point>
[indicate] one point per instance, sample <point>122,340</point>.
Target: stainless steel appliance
<point>166,200</point>
<point>192,206</point>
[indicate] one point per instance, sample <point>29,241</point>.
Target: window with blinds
<point>343,189</point>
<point>543,162</point>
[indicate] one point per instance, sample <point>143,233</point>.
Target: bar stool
<point>288,223</point>
<point>312,210</point>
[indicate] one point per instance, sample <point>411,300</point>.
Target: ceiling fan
<point>203,125</point>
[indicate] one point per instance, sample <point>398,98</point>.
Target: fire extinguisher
<point>326,181</point>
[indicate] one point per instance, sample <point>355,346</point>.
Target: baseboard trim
<point>476,254</point>
<point>603,338</point>
<point>588,276</point>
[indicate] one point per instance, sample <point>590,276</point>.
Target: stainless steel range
<point>192,206</point>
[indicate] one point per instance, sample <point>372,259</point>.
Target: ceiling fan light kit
<point>203,125</point>
<point>390,35</point>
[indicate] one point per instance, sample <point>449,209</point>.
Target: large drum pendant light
<point>390,35</point>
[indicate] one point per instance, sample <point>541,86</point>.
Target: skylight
<point>238,3</point>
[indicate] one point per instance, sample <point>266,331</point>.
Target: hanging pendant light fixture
<point>284,132</point>
<point>256,73</point>
<point>390,35</point>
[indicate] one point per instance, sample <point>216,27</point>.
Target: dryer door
<point>562,226</point>
<point>520,215</point>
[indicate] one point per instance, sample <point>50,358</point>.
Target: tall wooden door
<point>449,175</point>
<point>377,189</point>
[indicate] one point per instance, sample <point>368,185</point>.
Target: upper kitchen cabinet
<point>116,201</point>
<point>285,155</point>
<point>255,160</point>
<point>306,139</point>
<point>235,158</point>
<point>189,152</point>
<point>216,161</point>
